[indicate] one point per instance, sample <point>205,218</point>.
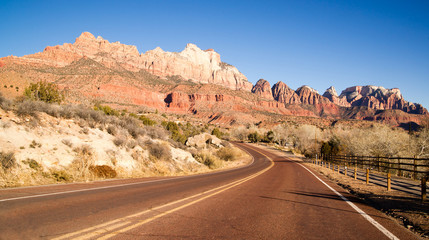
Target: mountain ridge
<point>193,81</point>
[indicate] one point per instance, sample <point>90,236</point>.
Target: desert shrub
<point>217,132</point>
<point>208,159</point>
<point>97,116</point>
<point>27,108</point>
<point>132,125</point>
<point>50,109</point>
<point>67,111</point>
<point>61,176</point>
<point>131,144</point>
<point>158,150</point>
<point>7,160</point>
<point>35,144</point>
<point>240,133</point>
<point>43,91</point>
<point>82,161</point>
<point>67,142</point>
<point>4,103</point>
<point>103,171</point>
<point>112,130</point>
<point>228,153</point>
<point>33,164</point>
<point>147,121</point>
<point>253,137</point>
<point>155,132</point>
<point>83,113</point>
<point>84,130</point>
<point>120,140</point>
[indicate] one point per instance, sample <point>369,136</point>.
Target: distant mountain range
<point>194,82</point>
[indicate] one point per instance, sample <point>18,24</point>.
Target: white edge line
<point>360,211</point>
<point>123,185</point>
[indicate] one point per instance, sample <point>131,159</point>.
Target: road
<point>272,198</point>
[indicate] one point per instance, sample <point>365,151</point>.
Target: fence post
<point>355,172</point>
<point>415,168</point>
<point>367,175</point>
<point>424,180</point>
<point>388,181</point>
<point>378,163</point>
<point>345,169</point>
<point>399,168</point>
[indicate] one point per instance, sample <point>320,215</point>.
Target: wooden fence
<point>415,168</point>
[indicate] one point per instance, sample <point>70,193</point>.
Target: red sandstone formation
<point>263,89</point>
<point>282,93</point>
<point>381,99</point>
<point>332,95</point>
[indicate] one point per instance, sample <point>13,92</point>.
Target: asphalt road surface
<point>272,198</point>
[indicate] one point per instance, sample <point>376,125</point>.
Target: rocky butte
<point>192,81</point>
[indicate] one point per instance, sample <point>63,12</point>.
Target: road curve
<point>272,198</point>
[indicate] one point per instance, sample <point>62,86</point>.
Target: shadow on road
<point>318,206</point>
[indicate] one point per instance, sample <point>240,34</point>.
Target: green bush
<point>33,164</point>
<point>43,91</point>
<point>61,176</point>
<point>107,110</point>
<point>147,121</point>
<point>217,132</point>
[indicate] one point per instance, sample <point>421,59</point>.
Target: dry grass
<point>209,159</point>
<point>229,153</point>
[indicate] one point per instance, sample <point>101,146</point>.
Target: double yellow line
<point>115,227</point>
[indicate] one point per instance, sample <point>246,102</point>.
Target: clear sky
<point>315,43</point>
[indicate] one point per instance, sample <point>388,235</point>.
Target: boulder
<point>201,140</point>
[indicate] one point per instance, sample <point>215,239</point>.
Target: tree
<point>253,137</point>
<point>44,91</point>
<point>269,136</point>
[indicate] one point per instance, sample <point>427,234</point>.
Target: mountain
<point>193,82</point>
<point>381,99</point>
<point>262,88</point>
<point>191,64</point>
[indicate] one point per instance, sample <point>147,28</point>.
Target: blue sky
<point>315,43</point>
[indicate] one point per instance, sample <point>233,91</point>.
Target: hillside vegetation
<point>43,142</point>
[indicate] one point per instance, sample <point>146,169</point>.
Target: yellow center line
<point>106,227</point>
